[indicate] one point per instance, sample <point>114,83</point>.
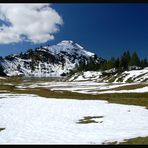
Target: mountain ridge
<point>48,61</point>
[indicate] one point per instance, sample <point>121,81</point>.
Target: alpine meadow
<point>74,73</point>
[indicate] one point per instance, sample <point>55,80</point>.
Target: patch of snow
<point>87,76</point>
<point>135,73</point>
<point>111,70</point>
<point>138,90</point>
<point>31,119</point>
<point>146,68</point>
<point>2,78</point>
<point>2,91</point>
<point>87,87</point>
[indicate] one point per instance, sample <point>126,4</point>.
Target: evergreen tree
<point>109,64</point>
<point>82,66</point>
<point>103,66</point>
<point>123,64</point>
<point>144,63</point>
<point>92,65</point>
<point>128,57</point>
<point>112,62</point>
<point>135,61</point>
<point>117,61</point>
<point>2,71</point>
<point>124,61</point>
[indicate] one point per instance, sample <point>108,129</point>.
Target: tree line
<point>127,61</point>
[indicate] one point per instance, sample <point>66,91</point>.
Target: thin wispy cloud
<point>35,23</point>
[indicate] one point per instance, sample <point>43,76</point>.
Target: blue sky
<point>106,29</point>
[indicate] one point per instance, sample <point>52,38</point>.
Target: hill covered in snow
<point>111,76</point>
<point>50,61</point>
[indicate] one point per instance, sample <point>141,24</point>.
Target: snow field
<point>34,119</point>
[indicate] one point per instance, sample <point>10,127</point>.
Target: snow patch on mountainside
<point>112,76</point>
<point>136,75</point>
<point>86,76</point>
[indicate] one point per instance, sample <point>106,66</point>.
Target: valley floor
<point>34,119</point>
<point>76,112</point>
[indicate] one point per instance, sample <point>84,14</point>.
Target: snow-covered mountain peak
<point>49,61</point>
<point>64,42</point>
<point>70,43</point>
<point>70,47</point>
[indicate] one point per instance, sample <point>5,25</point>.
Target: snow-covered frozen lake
<point>34,119</point>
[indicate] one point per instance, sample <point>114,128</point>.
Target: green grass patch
<point>89,119</point>
<point>130,87</point>
<point>120,79</point>
<point>1,129</point>
<point>130,80</point>
<point>112,79</point>
<point>137,140</point>
<point>7,87</point>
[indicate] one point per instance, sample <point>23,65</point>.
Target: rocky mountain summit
<point>49,61</point>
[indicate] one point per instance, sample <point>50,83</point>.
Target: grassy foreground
<point>127,98</point>
<point>140,99</point>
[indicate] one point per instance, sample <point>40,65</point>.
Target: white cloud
<point>37,22</point>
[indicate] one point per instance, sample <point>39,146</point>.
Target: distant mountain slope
<point>112,76</point>
<point>50,61</point>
